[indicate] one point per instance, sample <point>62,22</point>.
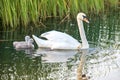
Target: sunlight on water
<point>104,65</point>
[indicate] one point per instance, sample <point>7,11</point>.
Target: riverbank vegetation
<point>14,13</point>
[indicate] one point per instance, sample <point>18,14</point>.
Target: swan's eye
<point>84,17</point>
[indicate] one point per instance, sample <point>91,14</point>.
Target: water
<point>100,62</point>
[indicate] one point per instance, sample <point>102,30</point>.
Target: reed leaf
<point>33,10</point>
<point>23,11</point>
<point>62,7</point>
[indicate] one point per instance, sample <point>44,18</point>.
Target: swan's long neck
<point>82,34</point>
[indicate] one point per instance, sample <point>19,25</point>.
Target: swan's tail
<point>40,42</point>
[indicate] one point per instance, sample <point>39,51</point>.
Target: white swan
<point>59,40</point>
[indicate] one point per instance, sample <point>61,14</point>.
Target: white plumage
<point>57,40</point>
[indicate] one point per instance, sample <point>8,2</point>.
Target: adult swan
<point>60,40</point>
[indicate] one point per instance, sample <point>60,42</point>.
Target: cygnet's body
<point>21,42</point>
<point>27,44</point>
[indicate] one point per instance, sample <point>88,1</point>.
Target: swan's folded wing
<point>49,34</point>
<point>58,36</point>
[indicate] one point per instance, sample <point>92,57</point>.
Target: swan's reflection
<point>80,73</point>
<point>55,55</point>
<point>69,63</point>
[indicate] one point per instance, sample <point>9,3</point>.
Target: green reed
<point>22,12</point>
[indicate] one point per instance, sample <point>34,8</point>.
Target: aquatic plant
<point>23,12</point>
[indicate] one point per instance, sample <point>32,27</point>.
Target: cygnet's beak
<point>86,20</point>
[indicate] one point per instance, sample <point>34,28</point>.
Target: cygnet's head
<point>82,16</point>
<point>27,38</point>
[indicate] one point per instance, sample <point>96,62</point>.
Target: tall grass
<point>23,12</point>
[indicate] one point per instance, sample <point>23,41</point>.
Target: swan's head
<point>82,16</point>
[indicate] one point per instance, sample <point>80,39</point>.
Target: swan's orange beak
<point>86,20</point>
